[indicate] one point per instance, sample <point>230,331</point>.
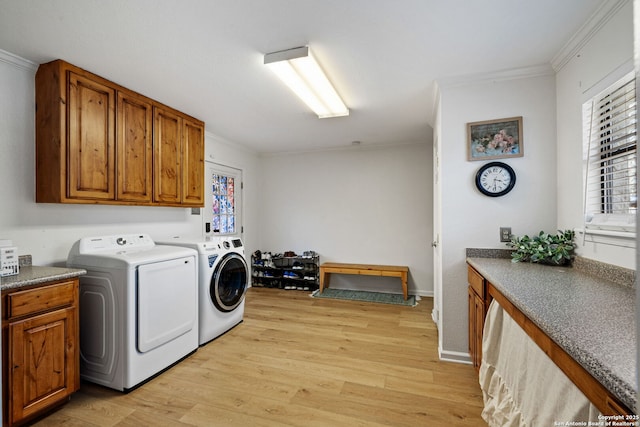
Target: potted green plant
<point>551,249</point>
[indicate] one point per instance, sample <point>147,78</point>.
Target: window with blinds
<point>611,146</point>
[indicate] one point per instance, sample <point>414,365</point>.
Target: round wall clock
<point>495,179</point>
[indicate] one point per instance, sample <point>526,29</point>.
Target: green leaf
<point>543,247</point>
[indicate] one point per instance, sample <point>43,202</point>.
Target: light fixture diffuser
<point>298,69</point>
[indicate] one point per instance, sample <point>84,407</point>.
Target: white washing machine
<point>138,308</point>
<point>223,279</point>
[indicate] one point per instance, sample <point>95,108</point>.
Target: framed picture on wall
<point>495,139</point>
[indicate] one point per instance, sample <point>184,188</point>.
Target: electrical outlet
<point>505,234</point>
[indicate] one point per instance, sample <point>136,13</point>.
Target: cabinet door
<point>133,148</point>
<point>167,161</point>
<point>91,143</point>
<point>193,163</point>
<point>476,325</point>
<point>479,326</point>
<point>472,325</point>
<point>44,366</point>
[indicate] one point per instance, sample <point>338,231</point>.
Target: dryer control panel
<point>96,244</point>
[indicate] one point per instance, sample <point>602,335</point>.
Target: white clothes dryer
<point>138,308</point>
<point>223,278</point>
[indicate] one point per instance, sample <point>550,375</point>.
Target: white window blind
<point>611,145</point>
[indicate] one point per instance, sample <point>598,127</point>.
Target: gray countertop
<point>35,275</point>
<point>592,319</point>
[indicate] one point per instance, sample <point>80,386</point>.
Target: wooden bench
<point>400,271</point>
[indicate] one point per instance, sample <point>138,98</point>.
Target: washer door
<point>229,282</point>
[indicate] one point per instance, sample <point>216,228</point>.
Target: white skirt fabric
<point>521,385</point>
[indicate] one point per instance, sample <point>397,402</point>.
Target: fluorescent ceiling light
<point>298,69</point>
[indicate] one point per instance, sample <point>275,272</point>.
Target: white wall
<point>47,231</point>
<point>361,205</point>
<point>470,219</point>
<point>608,50</point>
<point>548,193</point>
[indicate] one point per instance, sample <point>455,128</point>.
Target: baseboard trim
<point>454,356</point>
<point>426,294</point>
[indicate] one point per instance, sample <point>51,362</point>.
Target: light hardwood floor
<point>300,361</point>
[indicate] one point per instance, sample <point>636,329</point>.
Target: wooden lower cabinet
<point>476,324</point>
<point>478,305</point>
<point>482,292</point>
<point>40,349</point>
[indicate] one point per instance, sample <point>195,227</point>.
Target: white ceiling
<point>204,57</point>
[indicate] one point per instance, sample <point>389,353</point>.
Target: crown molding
<point>363,147</point>
<point>17,61</point>
<point>589,29</point>
<point>495,76</point>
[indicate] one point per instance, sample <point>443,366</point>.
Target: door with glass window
<point>223,204</point>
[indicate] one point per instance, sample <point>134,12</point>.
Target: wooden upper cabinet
<point>98,142</point>
<point>134,153</point>
<point>193,155</point>
<point>91,142</point>
<point>167,163</point>
<point>178,158</point>
<point>51,133</point>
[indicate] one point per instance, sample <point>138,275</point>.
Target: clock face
<point>495,179</point>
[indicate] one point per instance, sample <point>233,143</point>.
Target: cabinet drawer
<point>40,299</point>
<point>476,281</point>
